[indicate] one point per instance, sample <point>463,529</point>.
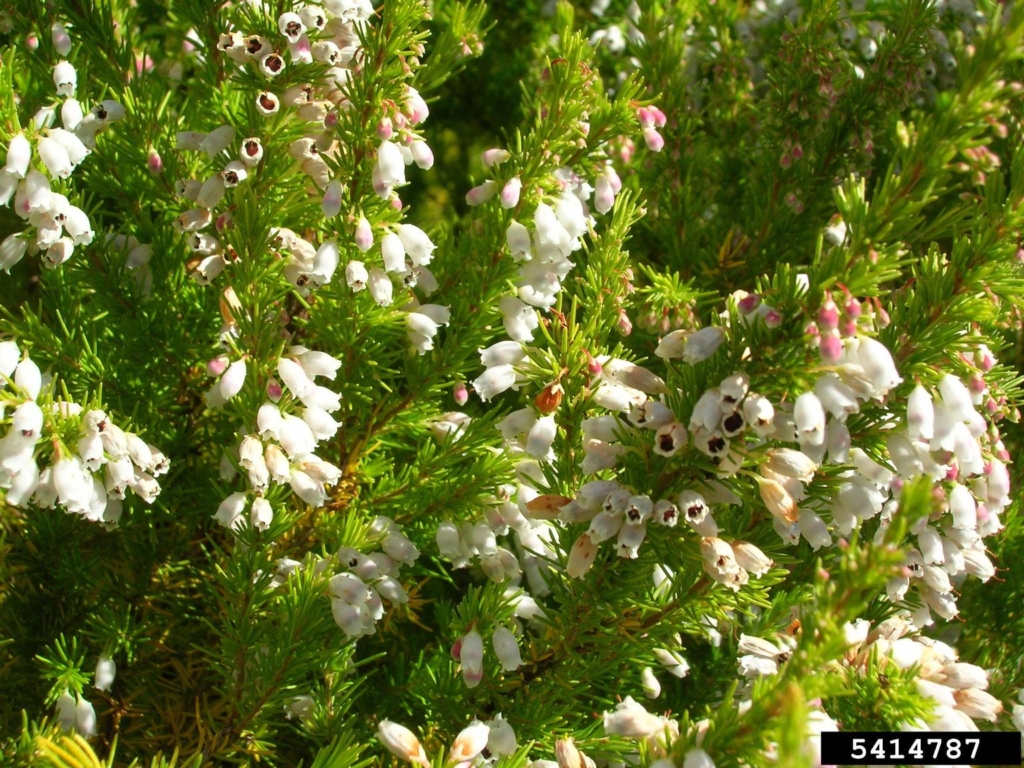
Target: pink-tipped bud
<point>385,129</point>
<point>659,117</point>
<point>828,315</point>
<point>812,331</point>
<point>852,309</point>
<point>625,324</point>
<point>274,391</point>
<point>493,157</point>
<point>593,366</point>
<point>217,366</point>
<point>32,42</point>
<point>481,194</point>
<point>772,318</point>
<point>830,347</point>
<point>848,328</point>
<point>510,193</point>
<point>977,384</point>
<point>154,163</point>
<point>749,303</point>
<point>645,117</point>
<point>460,393</point>
<point>986,361</point>
<point>396,203</point>
<point>223,221</point>
<point>654,140</point>
<point>331,120</point>
<point>456,650</point>
<point>364,235</point>
<point>331,203</point>
<point>796,152</point>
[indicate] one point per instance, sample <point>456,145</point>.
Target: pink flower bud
<point>274,390</point>
<point>481,194</point>
<point>749,303</point>
<point>654,140</point>
<point>364,235</point>
<point>604,194</point>
<point>645,117</point>
<point>460,393</point>
<point>32,42</point>
<point>772,318</point>
<point>828,315</point>
<point>493,157</point>
<point>331,203</point>
<point>624,323</point>
<point>422,155</point>
<point>658,115</point>
<point>217,366</point>
<point>830,347</point>
<point>385,130</point>
<point>154,163</point>
<point>852,309</point>
<point>510,193</point>
<point>592,365</point>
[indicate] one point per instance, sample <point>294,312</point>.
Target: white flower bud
<point>85,718</point>
<point>232,380</point>
<point>330,205</point>
<point>920,414</point>
<point>65,78</point>
<point>506,648</point>
<point>518,239</point>
<point>325,263</point>
<point>12,250</point>
<point>751,558</point>
<point>495,380</point>
<point>963,507</point>
<point>54,157</point>
<point>502,739</point>
<point>471,657</point>
<point>261,514</point>
<point>106,670</point>
<point>417,245</point>
<point>71,114</point>
<point>401,742</point>
<point>19,154</point>
<point>229,513</point>
<point>631,720</point>
<point>381,288</point>
<point>650,683</point>
<point>356,275</point>
<point>470,742</point>
<point>691,347</point>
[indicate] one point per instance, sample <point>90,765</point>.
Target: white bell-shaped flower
<point>506,648</point>
<point>471,657</point>
<point>106,671</point>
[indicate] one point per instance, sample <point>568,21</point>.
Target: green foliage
<point>778,131</point>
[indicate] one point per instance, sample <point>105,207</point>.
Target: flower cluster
<point>614,512</point>
<point>356,592</point>
<point>468,650</point>
<point>94,462</point>
<point>282,449</point>
<point>55,226</point>
<point>958,691</point>
<point>494,735</point>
